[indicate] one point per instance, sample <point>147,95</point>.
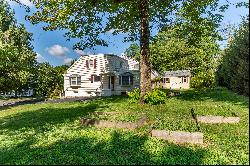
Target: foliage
<point>234,69</point>
<point>203,80</point>
<point>134,96</point>
<point>133,51</point>
<point>171,50</point>
<point>16,52</point>
<point>156,96</point>
<point>52,132</point>
<point>118,16</point>
<point>90,20</point>
<point>48,81</point>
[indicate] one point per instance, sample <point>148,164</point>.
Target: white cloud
<point>57,50</point>
<point>40,58</point>
<point>67,61</point>
<point>25,2</point>
<point>111,31</point>
<point>80,52</point>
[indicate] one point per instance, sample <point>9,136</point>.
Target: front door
<point>112,82</point>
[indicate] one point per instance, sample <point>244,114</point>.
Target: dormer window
<point>91,63</point>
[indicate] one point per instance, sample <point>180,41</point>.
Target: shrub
<point>154,97</point>
<point>203,80</point>
<point>134,95</point>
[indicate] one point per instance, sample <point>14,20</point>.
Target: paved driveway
<point>6,103</point>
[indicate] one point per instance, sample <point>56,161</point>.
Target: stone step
<point>179,136</point>
<point>217,119</point>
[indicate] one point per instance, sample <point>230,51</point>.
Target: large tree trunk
<point>145,67</point>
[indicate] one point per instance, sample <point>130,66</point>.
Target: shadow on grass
<point>112,99</point>
<point>215,94</point>
<point>51,116</point>
<point>39,118</point>
<point>124,149</point>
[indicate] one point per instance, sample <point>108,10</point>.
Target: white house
<point>179,79</point>
<point>100,75</point>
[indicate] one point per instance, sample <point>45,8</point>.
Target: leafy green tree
<point>234,69</point>
<point>172,51</point>
<point>47,80</point>
<point>60,70</point>
<point>133,51</point>
<point>43,80</point>
<point>16,52</point>
<point>87,20</point>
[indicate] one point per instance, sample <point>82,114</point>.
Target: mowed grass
<point>51,133</point>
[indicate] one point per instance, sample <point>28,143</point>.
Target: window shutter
<point>94,63</point>
<point>87,64</point>
<point>92,78</point>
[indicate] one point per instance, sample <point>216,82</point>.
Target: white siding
<point>105,64</point>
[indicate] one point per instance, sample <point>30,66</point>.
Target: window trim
<point>77,80</point>
<point>94,77</point>
<point>130,80</point>
<point>185,80</point>
<point>166,80</point>
<point>91,63</point>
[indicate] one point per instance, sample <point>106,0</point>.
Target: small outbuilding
<point>179,79</point>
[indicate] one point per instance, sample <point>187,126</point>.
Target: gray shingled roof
<point>177,73</point>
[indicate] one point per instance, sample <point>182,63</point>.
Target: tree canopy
<point>88,20</point>
<point>234,69</point>
<point>172,50</point>
<point>16,52</point>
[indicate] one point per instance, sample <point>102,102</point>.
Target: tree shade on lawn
<point>51,133</point>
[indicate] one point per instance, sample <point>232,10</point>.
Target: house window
<point>166,80</point>
<point>121,64</point>
<point>95,78</point>
<point>136,66</point>
<point>75,80</point>
<point>126,80</point>
<point>185,79</point>
<point>91,63</point>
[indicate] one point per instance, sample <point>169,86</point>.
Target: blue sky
<point>52,47</point>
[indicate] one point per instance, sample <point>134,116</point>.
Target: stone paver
<point>142,121</point>
<point>106,113</point>
<point>179,136</point>
<point>217,119</point>
<point>107,124</point>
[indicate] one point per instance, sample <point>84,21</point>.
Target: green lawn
<point>51,134</point>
